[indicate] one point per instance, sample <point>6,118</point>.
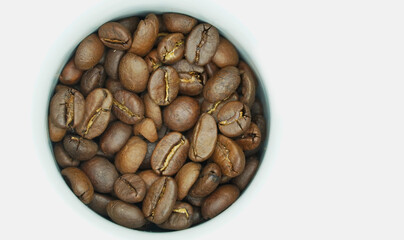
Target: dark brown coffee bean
<point>164,130</point>
<point>219,200</point>
<point>251,139</point>
<point>145,35</point>
<point>79,183</point>
<point>115,36</point>
<point>80,148</point>
<point>170,154</point>
<point>128,107</point>
<point>92,79</point>
<point>222,85</point>
<point>257,108</point>
<point>194,201</point>
<point>207,182</point>
<point>133,72</point>
<point>63,158</point>
<point>163,85</point>
<point>196,216</point>
<point>56,134</point>
<point>147,129</point>
<point>226,54</point>
<point>214,108</point>
<point>180,218</point>
<point>181,114</point>
<point>146,163</point>
<point>201,44</point>
<point>149,177</point>
<point>244,178</point>
<point>152,60</point>
<point>171,48</point>
<point>204,138</point>
<point>176,22</point>
<point>130,188</point>
<point>111,64</point>
<point>234,119</point>
<point>89,52</point>
<point>125,214</point>
<point>247,84</point>
<point>113,85</point>
<point>99,203</point>
<point>192,77</point>
<point>211,69</point>
<point>70,74</point>
<point>129,158</point>
<point>67,108</point>
<point>186,177</point>
<point>101,172</point>
<point>115,137</point>
<point>229,156</point>
<point>160,200</point>
<point>152,111</point>
<point>130,23</point>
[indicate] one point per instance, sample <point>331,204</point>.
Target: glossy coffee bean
<point>147,129</point>
<point>171,48</point>
<point>152,111</point>
<point>125,214</point>
<point>97,113</point>
<point>180,217</point>
<point>101,172</point>
<point>63,158</point>
<point>219,200</point>
<point>129,158</point>
<point>204,138</point>
<point>201,44</point>
<point>160,200</point>
<point>251,139</point>
<point>186,177</point>
<point>245,178</point>
<point>56,134</point>
<point>133,73</point>
<point>145,35</point>
<point>70,74</point>
<point>181,114</point>
<point>149,177</point>
<point>111,64</point>
<point>192,77</point>
<point>89,52</point>
<point>214,108</point>
<point>229,156</point>
<point>67,108</point>
<point>79,183</point>
<point>115,36</point>
<point>176,22</point>
<point>130,188</point>
<point>207,182</point>
<point>247,84</point>
<point>130,23</point>
<point>234,119</point>
<point>115,137</point>
<point>222,84</point>
<point>92,79</point>
<point>128,107</point>
<point>170,154</point>
<point>99,203</point>
<point>79,148</point>
<point>163,86</point>
<point>226,54</point>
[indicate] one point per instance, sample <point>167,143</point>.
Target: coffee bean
<point>251,139</point>
<point>79,148</point>
<point>207,182</point>
<point>211,69</point>
<point>63,158</point>
<point>160,200</point>
<point>133,73</point>
<point>192,77</point>
<point>99,203</point>
<point>145,35</point>
<point>226,54</point>
<point>180,218</point>
<point>130,23</point>
<point>130,188</point>
<point>147,129</point>
<point>56,134</point>
<point>257,108</point>
<point>204,138</point>
<point>111,64</point>
<point>89,52</point>
<point>128,107</point>
<point>170,154</point>
<point>101,172</point>
<point>181,114</point>
<point>115,137</point>
<point>201,44</point>
<point>186,177</point>
<point>229,156</point>
<point>92,79</point>
<point>149,177</point>
<point>163,85</point>
<point>146,163</point>
<point>152,111</point>
<point>222,84</point>
<point>171,48</point>
<point>195,201</point>
<point>79,183</point>
<point>214,108</point>
<point>197,216</point>
<point>129,158</point>
<point>152,60</point>
<point>244,178</point>
<point>176,22</point>
<point>125,214</point>
<point>219,200</point>
<point>70,74</point>
<point>261,122</point>
<point>115,36</point>
<point>247,84</point>
<point>234,119</point>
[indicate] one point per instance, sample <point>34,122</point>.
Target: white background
<point>336,78</point>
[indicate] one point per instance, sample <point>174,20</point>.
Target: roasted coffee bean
<point>89,52</point>
<point>163,85</point>
<point>234,119</point>
<point>152,111</point>
<point>67,108</point>
<point>251,139</point>
<point>97,113</point>
<point>222,84</point>
<point>204,138</point>
<point>192,77</point>
<point>130,23</point>
<point>180,218</point>
<point>101,172</point>
<point>145,35</point>
<point>226,54</point>
<point>214,108</point>
<point>176,22</point>
<point>56,134</point>
<point>197,216</point>
<point>225,179</point>
<point>79,148</point>
<point>147,129</point>
<point>211,69</point>
<point>63,158</point>
<point>111,64</point>
<point>262,125</point>
<point>133,73</point>
<point>219,200</point>
<point>247,84</point>
<point>115,36</point>
<point>229,156</point>
<point>92,79</point>
<point>128,107</point>
<point>244,178</point>
<point>170,154</point>
<point>201,44</point>
<point>164,130</point>
<point>79,183</point>
<point>146,163</point>
<point>130,188</point>
<point>197,202</point>
<point>115,137</point>
<point>181,114</point>
<point>186,177</point>
<point>171,48</point>
<point>125,214</point>
<point>70,74</point>
<point>129,158</point>
<point>160,200</point>
<point>207,182</point>
<point>152,60</point>
<point>149,177</point>
<point>99,203</point>
<point>113,86</point>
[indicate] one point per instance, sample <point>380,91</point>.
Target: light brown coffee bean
<point>70,74</point>
<point>226,54</point>
<point>89,52</point>
<point>186,177</point>
<point>133,73</point>
<point>145,35</point>
<point>171,48</point>
<point>129,158</point>
<point>147,129</point>
<point>79,183</point>
<point>152,111</point>
<point>204,138</point>
<point>176,22</point>
<point>229,156</point>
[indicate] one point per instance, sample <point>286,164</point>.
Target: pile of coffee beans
<point>155,123</point>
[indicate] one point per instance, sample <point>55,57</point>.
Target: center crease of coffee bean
<point>94,117</point>
<point>124,108</point>
<point>216,105</point>
<point>114,41</point>
<point>181,210</point>
<point>171,154</point>
<point>227,122</point>
<point>167,86</point>
<point>201,43</point>
<point>69,108</point>
<point>225,152</point>
<point>127,183</point>
<point>195,77</point>
<point>159,199</point>
<point>170,54</point>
